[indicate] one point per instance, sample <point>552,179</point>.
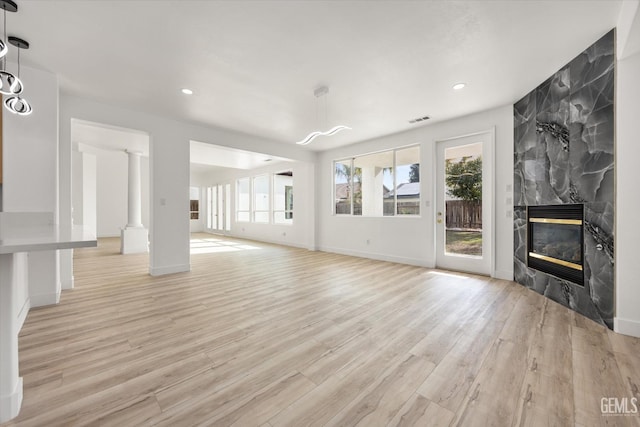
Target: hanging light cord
<point>19,61</point>
<point>4,29</point>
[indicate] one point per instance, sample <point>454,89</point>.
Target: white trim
<point>488,164</point>
<point>626,327</point>
<point>22,314</point>
<point>159,271</point>
<point>68,284</point>
<point>503,274</point>
<point>42,300</point>
<point>10,404</point>
<point>263,240</point>
<point>377,256</point>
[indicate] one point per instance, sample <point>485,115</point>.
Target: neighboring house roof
<point>410,189</point>
<point>342,190</point>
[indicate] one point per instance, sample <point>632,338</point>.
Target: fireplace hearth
<point>555,241</point>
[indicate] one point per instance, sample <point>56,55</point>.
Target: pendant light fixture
<point>17,104</point>
<point>9,84</point>
<point>11,7</point>
<point>322,92</point>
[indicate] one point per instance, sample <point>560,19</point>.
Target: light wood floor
<point>266,335</point>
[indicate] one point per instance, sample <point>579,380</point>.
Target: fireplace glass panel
<point>559,241</point>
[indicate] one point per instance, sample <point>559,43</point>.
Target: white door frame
<point>488,214</point>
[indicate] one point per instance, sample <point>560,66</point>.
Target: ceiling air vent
<point>419,119</point>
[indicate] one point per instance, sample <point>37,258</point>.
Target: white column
<point>134,237</point>
<point>135,192</point>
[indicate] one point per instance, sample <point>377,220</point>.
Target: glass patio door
<point>219,208</point>
<point>463,203</point>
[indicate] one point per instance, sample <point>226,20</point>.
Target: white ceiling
<point>204,154</point>
<point>109,138</point>
<point>254,65</point>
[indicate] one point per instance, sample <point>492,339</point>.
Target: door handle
<point>439,221</point>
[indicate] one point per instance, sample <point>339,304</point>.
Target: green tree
<point>354,182</point>
<point>464,179</point>
<point>414,173</point>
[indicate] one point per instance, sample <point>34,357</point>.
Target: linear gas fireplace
<point>555,240</point>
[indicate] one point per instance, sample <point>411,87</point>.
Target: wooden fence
<point>464,214</point>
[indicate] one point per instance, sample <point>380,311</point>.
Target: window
<point>261,198</point>
<point>227,207</point>
<point>243,209</point>
<point>220,206</point>
<point>370,188</point>
<point>194,203</point>
<point>283,198</point>
<point>342,186</point>
<point>212,217</point>
<point>254,200</point>
<point>407,188</point>
<point>379,184</point>
<point>218,216</point>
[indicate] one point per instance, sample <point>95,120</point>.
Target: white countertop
<point>46,238</point>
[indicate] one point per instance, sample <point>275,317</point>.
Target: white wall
<point>111,193</point>
<point>627,235</point>
<point>301,232</point>
<point>30,165</point>
<point>30,147</point>
<point>169,170</point>
<point>84,190</point>
<point>409,239</point>
<point>109,190</point>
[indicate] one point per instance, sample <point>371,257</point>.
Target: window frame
<point>273,199</point>
<point>238,210</point>
<point>255,211</point>
<point>351,162</point>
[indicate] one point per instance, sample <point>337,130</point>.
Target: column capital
<point>133,152</point>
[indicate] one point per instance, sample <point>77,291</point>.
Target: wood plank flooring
<point>265,335</point>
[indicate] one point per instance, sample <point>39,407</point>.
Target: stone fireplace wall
<point>564,153</point>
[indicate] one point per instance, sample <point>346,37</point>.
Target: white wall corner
<point>626,327</point>
<point>10,404</point>
<point>41,300</point>
<point>68,283</point>
<point>503,274</point>
<point>22,314</point>
<point>627,28</point>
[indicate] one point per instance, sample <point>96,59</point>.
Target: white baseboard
<point>10,403</point>
<point>41,300</point>
<point>626,327</point>
<point>159,271</point>
<point>376,256</point>
<point>503,274</point>
<point>68,284</point>
<point>272,241</point>
<point>22,314</point>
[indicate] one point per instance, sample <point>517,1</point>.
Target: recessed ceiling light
<point>459,86</point>
<point>187,91</point>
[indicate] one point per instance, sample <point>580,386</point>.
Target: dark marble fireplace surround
<point>564,154</point>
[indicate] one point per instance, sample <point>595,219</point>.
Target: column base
<point>10,404</point>
<point>134,240</point>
